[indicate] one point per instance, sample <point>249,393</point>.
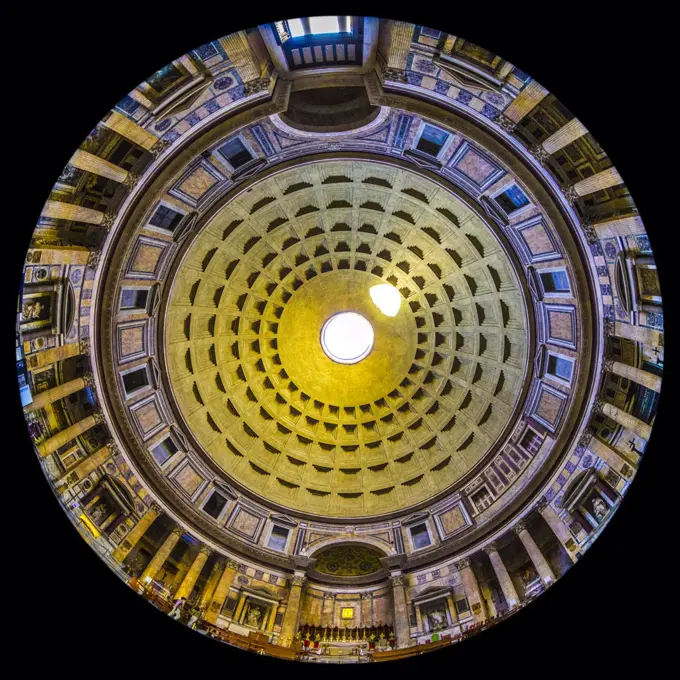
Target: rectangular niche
<point>560,324</point>
<point>535,240</point>
<point>547,406</point>
<point>148,417</point>
<point>132,340</point>
<point>147,259</point>
<point>246,523</point>
<point>189,480</point>
<point>452,520</point>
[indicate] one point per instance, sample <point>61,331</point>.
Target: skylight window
<point>296,28</point>
<point>324,25</point>
<point>300,27</point>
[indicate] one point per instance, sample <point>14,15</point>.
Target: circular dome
<point>347,337</point>
<point>341,349</point>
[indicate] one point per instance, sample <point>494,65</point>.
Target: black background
<point>68,66</point>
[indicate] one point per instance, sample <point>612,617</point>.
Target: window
<point>135,380</point>
<point>215,505</point>
<point>511,200</point>
<point>235,153</point>
<point>560,367</point>
<point>420,537</point>
<point>166,218</point>
<point>296,28</point>
<point>431,140</point>
<point>555,281</point>
<point>164,451</point>
<point>134,298</point>
<point>278,538</point>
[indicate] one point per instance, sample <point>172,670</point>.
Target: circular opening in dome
<point>347,338</point>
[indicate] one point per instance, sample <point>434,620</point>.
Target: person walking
<point>195,616</point>
<point>176,610</point>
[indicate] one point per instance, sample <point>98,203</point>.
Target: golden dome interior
<point>251,378</point>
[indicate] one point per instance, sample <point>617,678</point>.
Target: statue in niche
<point>31,310</point>
<point>437,619</point>
<point>254,616</point>
<point>528,575</point>
<point>600,509</point>
<point>100,513</point>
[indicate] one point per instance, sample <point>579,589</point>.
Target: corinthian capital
<point>505,123</point>
<point>520,527</point>
<point>399,580</point>
<point>462,564</point>
<point>539,153</point>
<point>570,194</point>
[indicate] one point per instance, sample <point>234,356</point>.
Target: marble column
<point>366,609</point>
<point>535,554</point>
<point>240,611</point>
<point>241,55</point>
<point>130,130</point>
<point>525,101</point>
<point>637,375</point>
<point>292,616</point>
<point>565,135</point>
<point>47,397</point>
<point>626,225</point>
<point>502,575</point>
<point>58,440</point>
<point>210,585</point>
<point>98,166</point>
<point>559,528</point>
<point>401,618</point>
<point>327,609</point>
<point>83,469</point>
<point>399,37</point>
<point>194,572</point>
<point>597,182</point>
<point>158,560</point>
<point>641,334</point>
<point>453,614</point>
<point>221,591</point>
<point>272,618</point>
<point>44,255</point>
<point>131,540</point>
<point>472,592</point>
<point>635,425</point>
<point>47,357</point>
<point>615,459</point>
<point>59,210</point>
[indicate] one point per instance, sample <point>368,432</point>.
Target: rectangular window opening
<point>135,380</point>
<point>511,200</point>
<point>164,451</point>
<point>215,505</point>
<point>420,536</point>
<point>559,367</point>
<point>134,298</point>
<point>278,538</point>
<point>555,282</point>
<point>166,218</point>
<point>235,153</point>
<point>432,140</point>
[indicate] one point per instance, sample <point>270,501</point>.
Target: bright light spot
<point>386,298</point>
<point>347,338</point>
<point>324,24</point>
<point>296,29</point>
